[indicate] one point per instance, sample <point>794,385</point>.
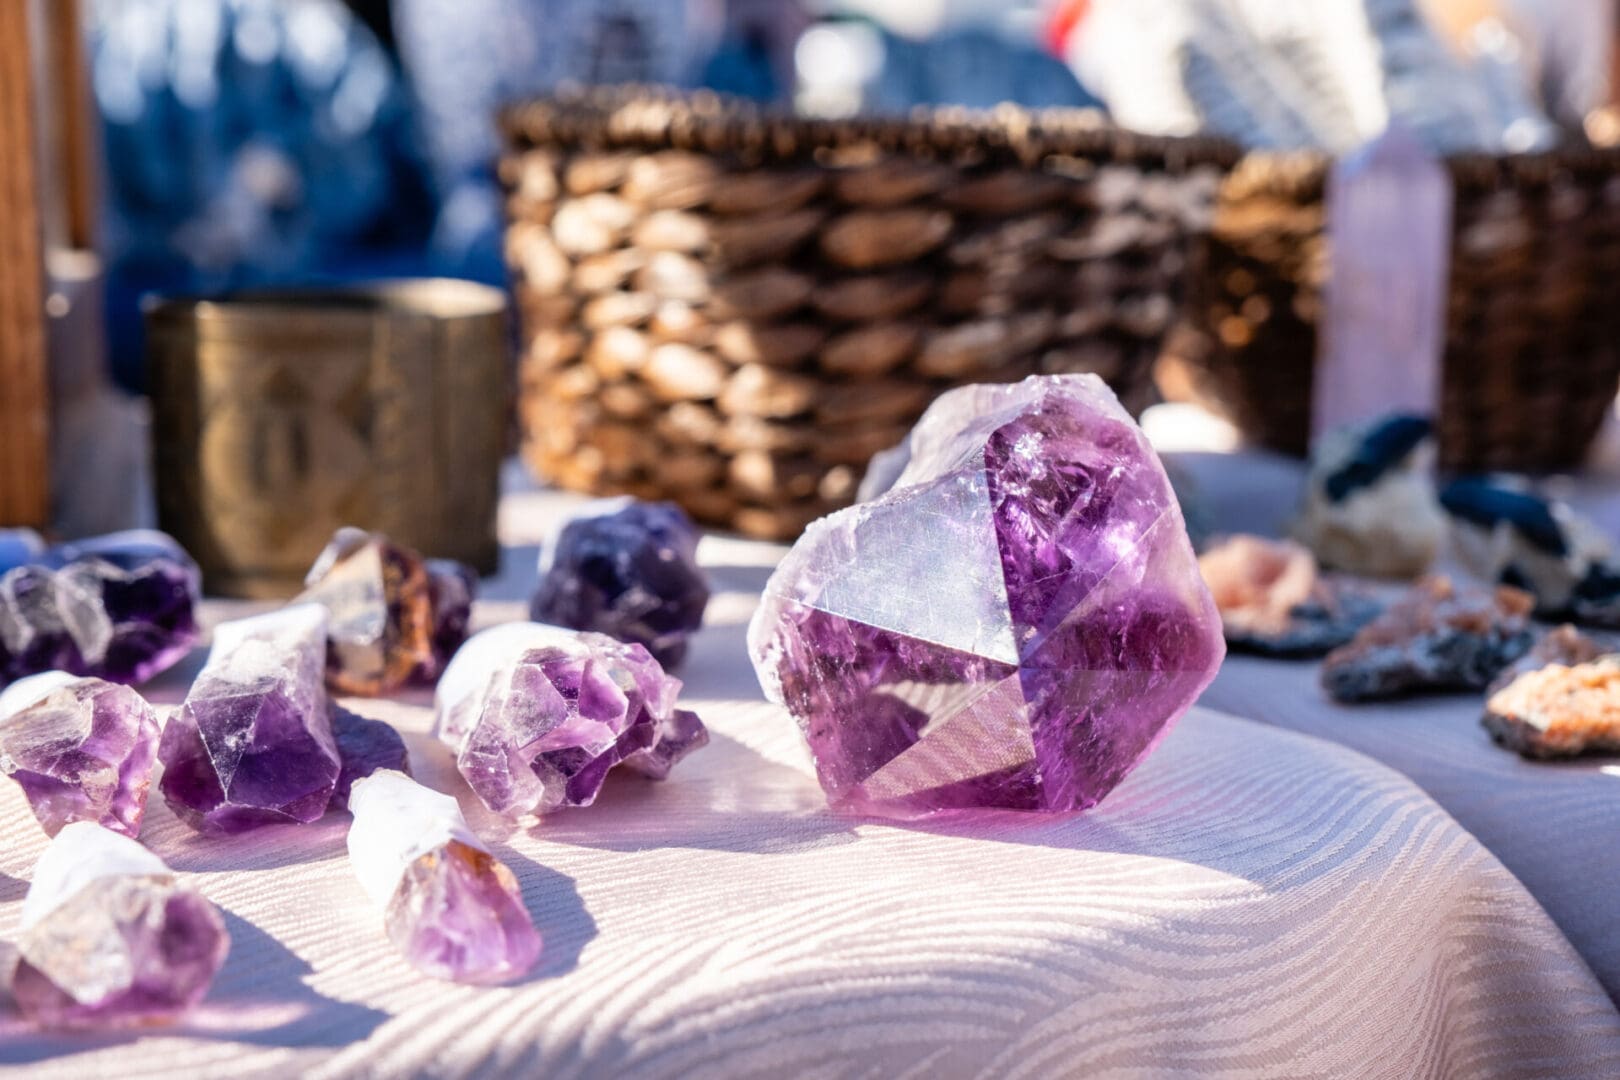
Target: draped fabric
<point>1250,902</point>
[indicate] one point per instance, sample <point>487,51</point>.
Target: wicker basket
<point>735,310</point>
<point>1532,355</point>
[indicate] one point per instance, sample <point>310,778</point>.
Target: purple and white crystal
<point>109,938</point>
<point>451,908</point>
<point>120,607</point>
<point>81,749</point>
<point>538,715</point>
<point>1014,623</point>
<point>630,573</point>
<point>252,744</point>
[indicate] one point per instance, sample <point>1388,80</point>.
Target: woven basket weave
<point>735,310</point>
<point>1532,350</point>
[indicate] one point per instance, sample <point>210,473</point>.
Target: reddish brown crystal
<point>1559,710</point>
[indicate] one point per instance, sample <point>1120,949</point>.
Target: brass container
<point>280,416</point>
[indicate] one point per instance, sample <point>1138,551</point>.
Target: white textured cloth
<point>1250,902</point>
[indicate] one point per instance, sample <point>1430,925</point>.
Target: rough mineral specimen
<point>252,744</point>
<point>1015,623</point>
<point>82,750</point>
<point>364,747</point>
<point>1562,645</point>
<point>109,938</point>
<point>1274,601</point>
<point>1370,506</point>
<point>538,715</point>
<point>393,616</point>
<point>1436,638</point>
<point>120,607</point>
<point>1559,711</point>
<point>451,908</point>
<point>1505,532</point>
<point>631,574</point>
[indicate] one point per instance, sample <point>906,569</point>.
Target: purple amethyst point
<point>451,908</point>
<point>252,744</point>
<point>120,607</point>
<point>538,715</point>
<point>109,937</point>
<point>81,749</point>
<point>631,574</point>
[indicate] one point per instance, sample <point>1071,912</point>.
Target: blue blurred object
<point>247,142</point>
<point>973,66</point>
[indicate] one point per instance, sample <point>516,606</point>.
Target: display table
<point>1552,823</point>
<point>1250,901</point>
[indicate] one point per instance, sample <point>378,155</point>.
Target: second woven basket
<point>735,310</point>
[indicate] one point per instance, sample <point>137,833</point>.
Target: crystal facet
<point>120,607</point>
<point>252,744</point>
<point>1015,623</point>
<point>451,908</point>
<point>392,615</point>
<point>631,574</point>
<point>82,750</point>
<point>109,938</point>
<point>538,715</point>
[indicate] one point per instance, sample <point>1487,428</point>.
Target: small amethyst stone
<point>364,747</point>
<point>252,744</point>
<point>1014,623</point>
<point>538,715</point>
<point>110,938</point>
<point>119,607</point>
<point>452,909</point>
<point>81,749</point>
<point>631,574</point>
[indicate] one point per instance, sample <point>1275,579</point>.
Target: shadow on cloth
<point>239,1008</point>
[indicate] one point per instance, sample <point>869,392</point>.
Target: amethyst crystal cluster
<point>81,749</point>
<point>393,616</point>
<point>451,908</point>
<point>538,715</point>
<point>631,574</point>
<point>109,938</point>
<point>1014,623</point>
<point>119,607</point>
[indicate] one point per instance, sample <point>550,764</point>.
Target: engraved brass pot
<point>280,416</point>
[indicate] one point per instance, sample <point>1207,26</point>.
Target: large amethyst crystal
<point>631,574</point>
<point>538,715</point>
<point>252,744</point>
<point>109,938</point>
<point>81,749</point>
<point>120,607</point>
<point>1014,623</point>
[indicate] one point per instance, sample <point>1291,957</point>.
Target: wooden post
<point>24,494</point>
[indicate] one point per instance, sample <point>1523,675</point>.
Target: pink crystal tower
<point>252,744</point>
<point>1014,623</point>
<point>451,908</point>
<point>109,938</point>
<point>81,749</point>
